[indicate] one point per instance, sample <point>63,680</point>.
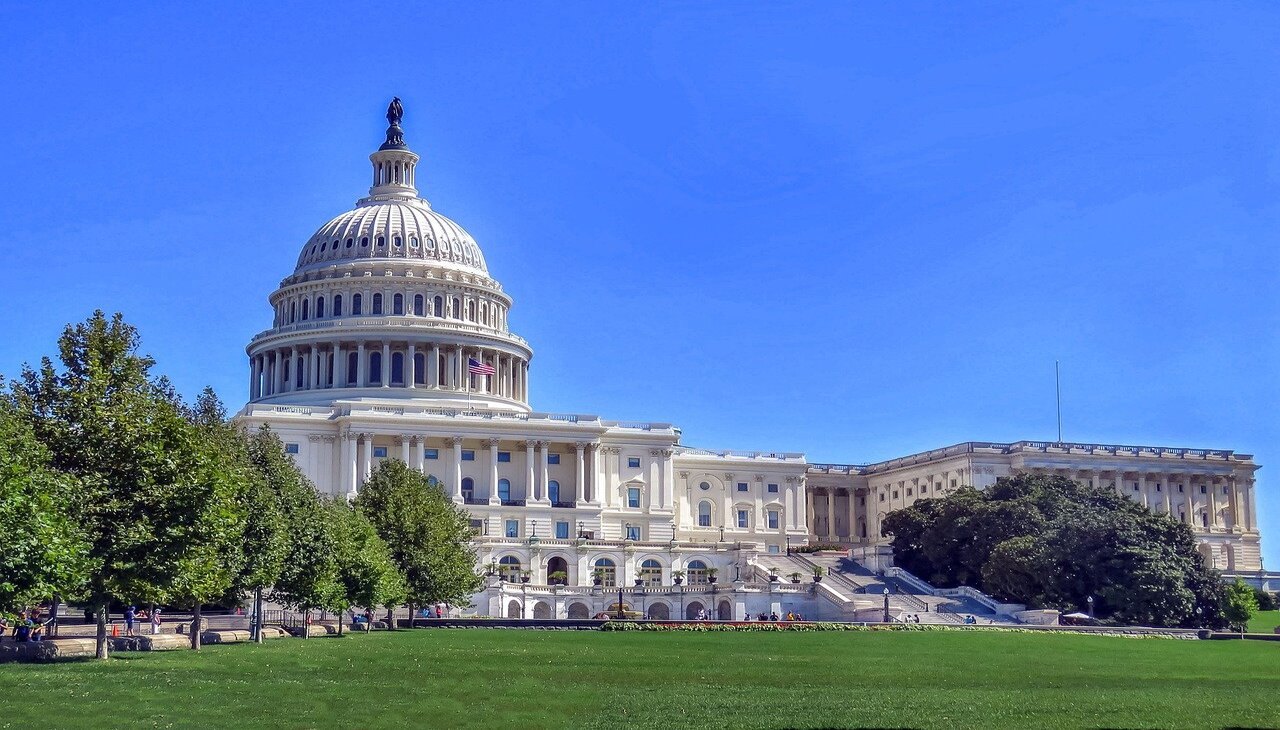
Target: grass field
<point>498,678</point>
<point>1264,622</point>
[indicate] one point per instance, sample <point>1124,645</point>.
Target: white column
<point>349,464</point>
<point>831,513</point>
<point>1251,505</point>
<point>456,467</point>
<point>459,370</point>
<point>366,458</point>
<point>1233,502</point>
<point>361,366</point>
<point>339,366</point>
<point>1168,497</point>
<point>411,367</point>
<point>853,517</point>
<point>543,476</point>
<point>580,474</point>
<point>405,453</point>
<point>386,362</point>
<point>433,368</point>
<point>492,444</point>
<point>1212,492</point>
<point>530,485</point>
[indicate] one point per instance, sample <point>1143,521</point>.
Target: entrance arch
<point>557,565</point>
<point>724,612</point>
<point>691,610</point>
<point>578,609</point>
<point>513,609</point>
<point>659,611</point>
<point>541,610</point>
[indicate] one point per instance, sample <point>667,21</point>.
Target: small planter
<point>677,580</point>
<point>816,579</point>
<point>639,582</point>
<point>711,579</point>
<point>773,578</point>
<point>795,580</point>
<point>524,579</point>
<point>596,582</point>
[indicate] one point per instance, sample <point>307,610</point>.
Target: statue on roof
<point>395,135</point>
<point>395,112</point>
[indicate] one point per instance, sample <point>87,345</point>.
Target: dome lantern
<point>394,164</point>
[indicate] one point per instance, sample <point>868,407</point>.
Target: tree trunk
<point>340,615</point>
<point>195,628</point>
<point>257,612</point>
<point>391,618</point>
<point>101,612</point>
<point>53,625</point>
<point>411,614</point>
<point>306,624</point>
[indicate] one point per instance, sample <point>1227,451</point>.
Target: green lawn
<point>500,678</point>
<point>1264,622</point>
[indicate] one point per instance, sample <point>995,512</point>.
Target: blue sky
<point>853,231</point>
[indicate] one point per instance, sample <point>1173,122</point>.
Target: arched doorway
<point>692,610</point>
<point>659,611</point>
<point>513,609</point>
<point>651,572</point>
<point>541,610</point>
<point>1229,556</point>
<point>557,565</point>
<point>607,572</point>
<point>1206,552</point>
<point>724,612</point>
<point>578,609</point>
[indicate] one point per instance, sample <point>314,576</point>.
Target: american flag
<point>475,367</point>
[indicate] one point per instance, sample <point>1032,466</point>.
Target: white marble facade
<point>374,352</point>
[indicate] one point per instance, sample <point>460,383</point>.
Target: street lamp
<point>533,527</point>
<point>721,533</point>
<point>1090,601</point>
<point>886,604</point>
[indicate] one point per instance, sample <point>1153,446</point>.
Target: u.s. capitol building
<point>391,340</point>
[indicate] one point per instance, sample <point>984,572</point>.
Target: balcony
<point>563,505</point>
<point>513,503</point>
<point>472,499</point>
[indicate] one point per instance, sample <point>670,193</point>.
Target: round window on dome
<point>350,241</point>
<point>364,241</point>
<point>413,242</point>
<point>398,241</point>
<point>324,246</point>
<point>381,241</point>
<point>429,243</point>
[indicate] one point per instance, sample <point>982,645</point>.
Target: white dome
<point>401,228</point>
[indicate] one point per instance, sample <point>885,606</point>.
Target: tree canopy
<point>1048,541</point>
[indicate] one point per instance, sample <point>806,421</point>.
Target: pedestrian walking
<point>129,614</point>
<point>155,620</point>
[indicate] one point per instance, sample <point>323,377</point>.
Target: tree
<point>265,544</point>
<point>366,574</point>
<point>1241,604</point>
<point>428,535</point>
<point>1048,541</point>
<point>149,498</point>
<point>309,575</point>
<point>42,552</point>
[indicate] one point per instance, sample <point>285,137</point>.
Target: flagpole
<point>467,383</point>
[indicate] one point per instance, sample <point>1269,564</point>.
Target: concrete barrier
<point>223,637</point>
<point>163,642</point>
<point>273,632</point>
<point>312,630</point>
<point>47,651</point>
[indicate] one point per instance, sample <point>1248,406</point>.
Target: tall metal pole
<point>1057,385</point>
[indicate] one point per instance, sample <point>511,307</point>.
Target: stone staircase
<point>859,591</point>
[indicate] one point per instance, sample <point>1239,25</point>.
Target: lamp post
<point>1089,599</point>
<point>886,604</point>
<point>533,528</point>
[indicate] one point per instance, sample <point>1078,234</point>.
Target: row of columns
<point>471,309</point>
<point>357,465</point>
<point>326,365</point>
<point>1236,510</point>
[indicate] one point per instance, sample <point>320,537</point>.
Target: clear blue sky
<point>857,232</point>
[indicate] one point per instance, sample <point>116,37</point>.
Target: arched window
<point>468,489</point>
<point>398,241</point>
<point>298,373</point>
<point>651,572</point>
<point>375,367</point>
<point>285,374</point>
<point>419,369</point>
<point>350,241</point>
<point>606,571</point>
<point>305,307</point>
<point>442,370</point>
<point>328,368</point>
<point>337,305</point>
<point>696,572</point>
<point>704,514</point>
<point>457,308</point>
<point>353,364</point>
<point>417,305</point>
<point>356,302</point>
<point>509,568</point>
<point>293,312</point>
<point>319,307</point>
<point>471,311</point>
<point>437,306</point>
<point>553,491</point>
<point>377,304</point>
<point>397,368</point>
<point>504,490</point>
<point>382,241</point>
<point>397,304</point>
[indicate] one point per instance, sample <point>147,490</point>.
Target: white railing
<point>357,323</point>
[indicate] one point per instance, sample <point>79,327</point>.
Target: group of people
<point>27,627</point>
<point>773,616</point>
<point>133,616</point>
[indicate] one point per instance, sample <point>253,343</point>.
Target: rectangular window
<point>633,497</point>
<point>290,448</point>
<point>513,528</point>
<point>924,489</point>
<point>744,519</point>
<point>562,530</point>
<point>553,458</point>
<point>1135,486</point>
<point>633,532</point>
<point>1157,486</point>
<point>379,452</point>
<point>953,484</point>
<point>895,494</point>
<point>633,462</point>
<point>742,486</point>
<point>773,519</point>
<point>773,489</point>
<point>477,526</point>
<point>1179,489</point>
<point>882,496</point>
<point>908,491</point>
<point>431,454</point>
<point>504,457</point>
<point>468,455</point>
<point>1202,491</point>
<point>862,500</point>
<point>775,549</point>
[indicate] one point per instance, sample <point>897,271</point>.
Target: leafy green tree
<point>1241,604</point>
<point>309,576</point>
<point>42,552</point>
<point>1048,541</point>
<point>149,498</point>
<point>265,543</point>
<point>428,535</point>
<point>366,575</point>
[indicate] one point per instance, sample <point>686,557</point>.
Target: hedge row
<point>712,627</point>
